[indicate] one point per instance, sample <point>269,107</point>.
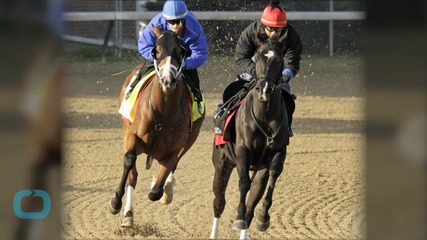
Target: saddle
<point>233,95</point>
<point>128,106</point>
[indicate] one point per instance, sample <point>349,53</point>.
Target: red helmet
<point>274,17</point>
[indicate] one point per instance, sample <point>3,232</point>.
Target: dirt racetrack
<point>320,194</point>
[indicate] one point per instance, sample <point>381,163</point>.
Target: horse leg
<point>258,186</point>
<point>242,165</point>
<point>157,188</point>
<point>128,210</point>
<point>129,160</point>
<point>276,168</point>
<point>168,190</point>
<point>223,169</point>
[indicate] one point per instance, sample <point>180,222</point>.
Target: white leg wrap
<point>129,200</point>
<point>170,177</point>
<point>168,190</point>
<point>215,225</point>
<point>244,234</point>
<point>153,181</point>
<point>169,184</point>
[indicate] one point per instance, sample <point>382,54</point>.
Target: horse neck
<point>166,103</point>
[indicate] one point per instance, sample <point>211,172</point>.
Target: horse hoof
<point>155,196</point>
<point>166,199</point>
<point>115,205</point>
<point>239,225</point>
<point>262,224</point>
<point>127,221</point>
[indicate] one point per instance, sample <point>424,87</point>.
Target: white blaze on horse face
<point>269,54</point>
<point>166,68</point>
<point>264,95</point>
<point>265,88</point>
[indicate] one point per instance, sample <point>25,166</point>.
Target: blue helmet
<point>174,9</point>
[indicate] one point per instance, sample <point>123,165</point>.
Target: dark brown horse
<point>162,128</point>
<point>258,143</point>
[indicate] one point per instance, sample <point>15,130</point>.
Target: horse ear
<point>157,31</point>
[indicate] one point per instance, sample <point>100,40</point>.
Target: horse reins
<point>176,71</point>
<point>269,139</point>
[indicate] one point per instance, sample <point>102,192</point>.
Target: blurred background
<point>222,34</point>
<point>332,33</point>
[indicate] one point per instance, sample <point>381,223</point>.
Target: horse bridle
<point>174,70</point>
<point>269,137</point>
<point>263,77</point>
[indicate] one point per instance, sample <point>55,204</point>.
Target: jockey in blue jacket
<point>177,18</point>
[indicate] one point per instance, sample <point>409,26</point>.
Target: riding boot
<point>291,129</point>
<point>289,100</point>
<point>191,77</point>
<point>198,98</point>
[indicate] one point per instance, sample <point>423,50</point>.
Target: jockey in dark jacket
<point>273,23</point>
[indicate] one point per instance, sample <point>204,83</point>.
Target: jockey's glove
<point>286,79</point>
<point>287,75</point>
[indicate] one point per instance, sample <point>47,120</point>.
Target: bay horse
<point>162,127</point>
<point>259,138</point>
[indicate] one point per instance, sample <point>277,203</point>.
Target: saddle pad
<point>224,137</point>
<point>127,107</point>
